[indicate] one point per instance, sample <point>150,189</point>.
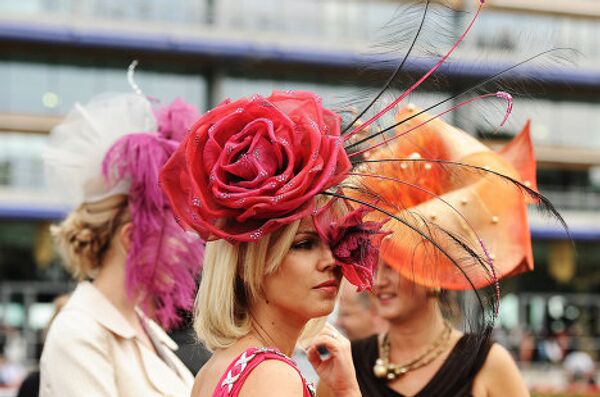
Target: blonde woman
<point>263,295</point>
<point>246,178</point>
<point>132,260</point>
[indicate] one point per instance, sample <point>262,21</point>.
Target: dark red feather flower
<point>354,242</point>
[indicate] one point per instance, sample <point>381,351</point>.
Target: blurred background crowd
<point>54,52</point>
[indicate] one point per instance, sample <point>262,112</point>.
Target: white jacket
<point>92,351</point>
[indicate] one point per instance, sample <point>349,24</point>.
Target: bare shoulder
<point>201,386</point>
<point>499,375</point>
<point>498,358</point>
<point>273,378</point>
<point>196,389</point>
<point>210,374</point>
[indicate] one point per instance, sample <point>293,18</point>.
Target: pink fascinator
<point>116,144</point>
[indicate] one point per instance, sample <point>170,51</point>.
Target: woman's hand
<point>335,369</point>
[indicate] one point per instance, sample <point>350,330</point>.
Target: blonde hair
<point>232,277</point>
<point>231,280</point>
<point>83,238</point>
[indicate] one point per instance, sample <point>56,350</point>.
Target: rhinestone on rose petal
<point>256,154</point>
<point>281,178</point>
<point>283,141</point>
<point>277,198</point>
<point>225,195</point>
<point>239,110</point>
<point>256,235</point>
<point>287,186</point>
<point>196,202</point>
<point>211,128</point>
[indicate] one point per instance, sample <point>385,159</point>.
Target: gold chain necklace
<point>383,368</point>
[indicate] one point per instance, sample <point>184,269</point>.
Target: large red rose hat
<point>250,166</point>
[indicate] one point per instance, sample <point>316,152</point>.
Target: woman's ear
<point>125,235</point>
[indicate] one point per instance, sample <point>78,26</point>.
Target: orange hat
<point>442,189</point>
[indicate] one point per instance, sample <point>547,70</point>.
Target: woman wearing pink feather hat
<point>134,263</point>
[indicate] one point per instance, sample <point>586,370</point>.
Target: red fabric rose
<point>251,166</point>
<point>354,243</point>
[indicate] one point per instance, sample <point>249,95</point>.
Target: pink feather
<point>164,261</point>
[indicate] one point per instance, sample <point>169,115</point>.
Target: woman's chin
<point>320,309</point>
<point>388,313</point>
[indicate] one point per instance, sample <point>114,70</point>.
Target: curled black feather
<point>471,89</point>
<point>394,75</point>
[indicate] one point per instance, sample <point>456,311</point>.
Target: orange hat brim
<point>456,206</point>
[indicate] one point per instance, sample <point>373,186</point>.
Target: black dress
<point>454,378</point>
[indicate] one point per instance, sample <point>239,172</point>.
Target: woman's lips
<point>328,286</point>
<point>385,297</point>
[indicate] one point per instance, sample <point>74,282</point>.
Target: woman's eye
<point>304,244</point>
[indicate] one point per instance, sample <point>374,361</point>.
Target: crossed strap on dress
<point>232,381</point>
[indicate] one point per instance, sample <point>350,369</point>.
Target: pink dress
<point>232,380</point>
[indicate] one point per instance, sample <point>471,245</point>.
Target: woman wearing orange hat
<point>472,201</point>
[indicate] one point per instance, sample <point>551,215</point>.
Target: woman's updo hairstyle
<point>84,237</point>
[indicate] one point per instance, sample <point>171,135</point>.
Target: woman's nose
<point>327,258</point>
<point>381,278</point>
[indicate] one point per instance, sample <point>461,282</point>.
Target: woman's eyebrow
<point>307,232</point>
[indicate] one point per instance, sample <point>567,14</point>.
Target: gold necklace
<point>383,368</point>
